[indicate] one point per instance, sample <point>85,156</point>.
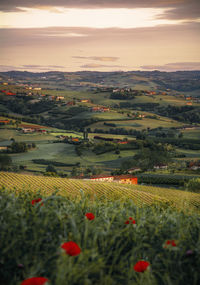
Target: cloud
<point>31,67</point>
<point>173,66</point>
<point>35,66</point>
<point>133,47</point>
<point>65,35</point>
<point>181,9</point>
<point>94,65</point>
<point>98,58</point>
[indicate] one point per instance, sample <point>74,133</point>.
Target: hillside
<point>101,122</point>
<point>71,188</point>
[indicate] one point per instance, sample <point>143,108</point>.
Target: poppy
<point>169,243</point>
<point>71,248</point>
<point>90,216</point>
<point>130,220</point>
<point>141,266</point>
<point>35,281</point>
<point>35,201</point>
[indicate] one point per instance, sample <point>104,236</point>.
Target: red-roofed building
<point>10,94</point>
<point>102,178</point>
<point>126,179</point>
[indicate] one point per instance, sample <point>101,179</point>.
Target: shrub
<point>193,185</point>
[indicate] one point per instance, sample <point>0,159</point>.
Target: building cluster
<point>125,179</point>
<point>194,165</point>
<point>32,129</point>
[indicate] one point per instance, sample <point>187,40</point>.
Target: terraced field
<point>71,187</point>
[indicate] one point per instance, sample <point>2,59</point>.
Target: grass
<point>32,235</point>
<point>190,154</point>
<point>7,134</point>
<point>139,124</point>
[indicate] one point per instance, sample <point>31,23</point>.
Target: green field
<point>121,235</point>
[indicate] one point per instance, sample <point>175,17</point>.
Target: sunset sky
<point>103,35</point>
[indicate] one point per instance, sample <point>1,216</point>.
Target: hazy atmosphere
<point>99,35</point>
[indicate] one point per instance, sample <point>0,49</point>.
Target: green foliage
<point>50,168</point>
<point>48,162</point>
<point>17,147</point>
<point>193,185</point>
<point>31,236</point>
<point>5,161</point>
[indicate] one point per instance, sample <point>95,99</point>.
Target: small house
<point>102,178</point>
<point>126,179</point>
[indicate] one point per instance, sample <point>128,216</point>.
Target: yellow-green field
<point>71,188</point>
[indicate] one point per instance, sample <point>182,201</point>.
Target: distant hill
<point>179,80</point>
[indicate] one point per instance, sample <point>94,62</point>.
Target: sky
<point>99,35</point>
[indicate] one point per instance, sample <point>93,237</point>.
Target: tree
<point>5,162</point>
<point>51,168</point>
<point>193,185</point>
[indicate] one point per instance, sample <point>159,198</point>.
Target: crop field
<point>189,153</point>
<point>138,124</point>
<point>71,187</point>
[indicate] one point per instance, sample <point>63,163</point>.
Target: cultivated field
<point>140,194</point>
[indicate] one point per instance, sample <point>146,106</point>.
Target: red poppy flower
<point>141,266</point>
<point>130,220</point>
<point>173,243</point>
<point>36,201</point>
<point>90,216</point>
<point>71,248</point>
<point>35,281</point>
<point>169,243</point>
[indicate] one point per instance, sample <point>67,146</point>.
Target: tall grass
<point>31,236</point>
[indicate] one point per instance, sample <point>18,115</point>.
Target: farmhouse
<point>126,179</point>
<point>58,98</point>
<point>134,169</point>
<point>28,130</point>
<point>160,166</point>
<point>102,178</point>
<point>70,103</point>
<point>100,109</point>
<point>85,101</point>
<point>4,122</point>
<point>10,93</point>
<point>3,148</point>
<point>42,131</point>
<point>194,165</point>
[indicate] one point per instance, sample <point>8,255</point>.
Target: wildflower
<point>170,243</point>
<point>141,266</point>
<point>189,252</point>
<point>130,220</point>
<point>20,265</point>
<point>71,248</point>
<point>36,201</point>
<point>35,281</point>
<point>90,216</point>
